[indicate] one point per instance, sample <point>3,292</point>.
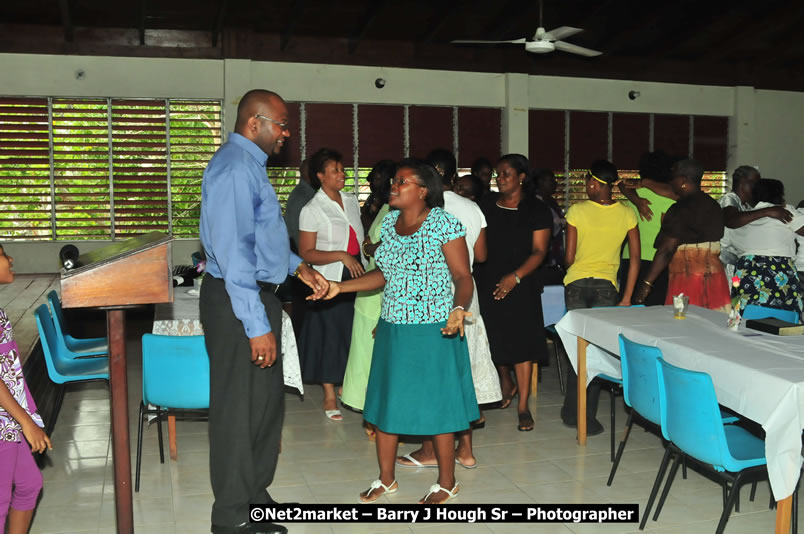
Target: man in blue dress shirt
<point>248,256</point>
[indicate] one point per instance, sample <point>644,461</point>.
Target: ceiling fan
<point>543,41</point>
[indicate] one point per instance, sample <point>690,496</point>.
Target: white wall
<point>590,94</point>
<point>779,139</point>
<point>765,126</point>
<point>44,75</point>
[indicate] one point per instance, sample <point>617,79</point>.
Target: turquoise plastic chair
<point>760,312</point>
<point>175,375</point>
<point>641,394</point>
<point>614,385</point>
<point>62,368</point>
<point>553,310</point>
<point>74,347</point>
<point>640,390</point>
<point>691,421</point>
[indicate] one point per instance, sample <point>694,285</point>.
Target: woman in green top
<point>367,303</point>
<point>654,168</point>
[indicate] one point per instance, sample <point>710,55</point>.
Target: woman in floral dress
<point>420,381</point>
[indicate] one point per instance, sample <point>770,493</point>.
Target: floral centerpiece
<point>734,313</point>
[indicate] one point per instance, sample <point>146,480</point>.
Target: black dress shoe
<point>593,426</point>
<point>251,528</point>
<point>266,528</point>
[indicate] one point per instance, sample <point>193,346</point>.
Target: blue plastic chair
<point>691,421</point>
<point>74,347</point>
<point>61,367</point>
<point>175,375</point>
<point>640,390</point>
<point>641,394</point>
<point>614,385</point>
<point>553,310</point>
<point>753,311</point>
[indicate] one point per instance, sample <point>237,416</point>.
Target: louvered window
<point>195,135</point>
<point>25,190</point>
<point>80,130</point>
<point>622,138</point>
<point>103,168</point>
<point>139,166</point>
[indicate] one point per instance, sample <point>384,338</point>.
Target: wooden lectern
<point>123,274</point>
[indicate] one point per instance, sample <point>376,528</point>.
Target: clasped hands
<point>263,348</point>
<point>454,321</point>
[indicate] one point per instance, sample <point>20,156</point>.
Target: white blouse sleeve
<point>310,217</point>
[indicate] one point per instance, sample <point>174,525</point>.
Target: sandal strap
<point>377,484</point>
<point>435,488</point>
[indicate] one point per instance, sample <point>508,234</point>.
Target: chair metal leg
<point>737,498</point>
<point>159,431</point>
<point>628,424</point>
<point>753,491</point>
<point>656,484</point>
<point>559,351</point>
<point>611,432</point>
<point>670,478</point>
<point>684,467</point>
<point>733,494</point>
<point>139,449</point>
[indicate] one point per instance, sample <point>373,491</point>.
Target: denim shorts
<point>590,293</point>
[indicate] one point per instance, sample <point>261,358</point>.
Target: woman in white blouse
<point>767,250</point>
<point>330,233</point>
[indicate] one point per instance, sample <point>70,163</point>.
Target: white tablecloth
<point>759,376</point>
<point>180,318</point>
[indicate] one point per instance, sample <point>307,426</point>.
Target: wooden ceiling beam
<point>66,20</point>
<point>370,15</point>
<point>438,21</point>
<point>290,25</point>
<point>142,21</point>
<point>502,21</point>
<point>629,34</point>
<point>774,20</point>
<point>217,27</point>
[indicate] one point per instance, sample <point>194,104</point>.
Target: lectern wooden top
<point>124,273</point>
<point>116,251</point>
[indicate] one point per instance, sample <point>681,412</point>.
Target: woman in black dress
<point>518,235</point>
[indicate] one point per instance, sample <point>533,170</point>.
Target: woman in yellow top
<point>596,229</point>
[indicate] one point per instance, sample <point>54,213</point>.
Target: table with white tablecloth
<point>760,376</point>
<point>181,318</point>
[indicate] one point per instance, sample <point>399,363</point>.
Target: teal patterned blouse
<point>417,280</point>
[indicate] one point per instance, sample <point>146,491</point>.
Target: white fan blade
<point>575,49</point>
<point>559,33</point>
<point>515,41</point>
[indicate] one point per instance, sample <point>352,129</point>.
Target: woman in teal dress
<point>367,303</point>
<point>420,359</point>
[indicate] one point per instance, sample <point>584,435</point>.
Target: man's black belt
<point>268,286</point>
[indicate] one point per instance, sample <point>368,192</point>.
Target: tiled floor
<point>329,462</point>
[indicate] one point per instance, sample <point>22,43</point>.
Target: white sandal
<point>377,484</point>
<point>435,488</point>
<point>416,463</point>
<point>334,415</point>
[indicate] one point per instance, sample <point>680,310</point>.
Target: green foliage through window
<point>105,168</point>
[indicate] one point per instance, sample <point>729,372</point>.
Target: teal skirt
<point>420,382</point>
